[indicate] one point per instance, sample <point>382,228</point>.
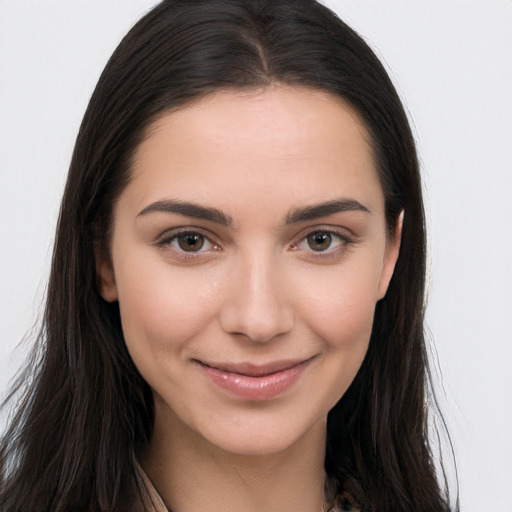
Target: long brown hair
<point>85,411</point>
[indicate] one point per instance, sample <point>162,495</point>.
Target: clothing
<point>153,502</point>
<point>346,503</point>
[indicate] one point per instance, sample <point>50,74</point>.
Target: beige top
<point>154,503</point>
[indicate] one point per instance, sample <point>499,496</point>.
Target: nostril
<point>259,323</point>
<point>256,305</point>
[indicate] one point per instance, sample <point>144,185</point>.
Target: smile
<point>252,382</point>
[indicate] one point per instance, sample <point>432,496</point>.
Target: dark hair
<point>86,411</point>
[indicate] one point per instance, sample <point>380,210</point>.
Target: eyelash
<point>340,239</point>
<point>165,241</point>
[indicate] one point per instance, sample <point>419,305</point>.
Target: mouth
<point>255,382</point>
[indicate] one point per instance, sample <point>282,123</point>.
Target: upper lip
<point>255,370</point>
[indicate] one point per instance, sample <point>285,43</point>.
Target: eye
<point>190,242</point>
<point>319,241</point>
<point>322,242</point>
<point>185,243</point>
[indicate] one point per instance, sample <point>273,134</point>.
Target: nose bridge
<point>257,305</point>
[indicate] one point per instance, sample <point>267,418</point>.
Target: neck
<point>191,474</point>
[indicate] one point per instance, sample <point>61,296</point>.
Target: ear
<point>105,277</point>
<point>390,257</point>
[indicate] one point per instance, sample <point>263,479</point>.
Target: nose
<point>256,303</point>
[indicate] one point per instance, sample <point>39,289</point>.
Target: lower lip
<point>265,387</point>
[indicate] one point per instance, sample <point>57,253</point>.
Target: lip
<point>255,382</point>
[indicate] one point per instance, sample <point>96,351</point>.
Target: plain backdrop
<point>451,62</point>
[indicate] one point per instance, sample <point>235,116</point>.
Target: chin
<point>264,436</point>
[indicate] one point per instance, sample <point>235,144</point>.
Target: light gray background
<point>451,61</point>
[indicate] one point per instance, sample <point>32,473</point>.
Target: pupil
<point>319,241</point>
<point>190,242</point>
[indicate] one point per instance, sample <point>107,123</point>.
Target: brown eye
<point>190,242</point>
<point>319,241</point>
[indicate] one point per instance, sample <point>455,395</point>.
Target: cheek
<point>340,311</point>
<point>161,308</point>
<point>342,317</point>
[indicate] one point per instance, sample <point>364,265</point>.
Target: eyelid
<point>164,240</point>
<point>344,236</point>
<point>340,233</point>
<point>174,232</point>
<point>343,233</point>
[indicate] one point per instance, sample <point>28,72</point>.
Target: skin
<point>258,290</point>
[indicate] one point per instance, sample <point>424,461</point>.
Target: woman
<point>234,314</point>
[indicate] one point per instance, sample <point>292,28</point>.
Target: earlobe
<point>105,276</point>
<point>391,257</point>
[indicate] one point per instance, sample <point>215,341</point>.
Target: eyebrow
<point>188,209</point>
<point>319,210</point>
<point>307,213</point>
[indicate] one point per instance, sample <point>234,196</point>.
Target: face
<point>248,253</point>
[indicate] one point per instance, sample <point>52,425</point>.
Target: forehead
<point>235,146</point>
